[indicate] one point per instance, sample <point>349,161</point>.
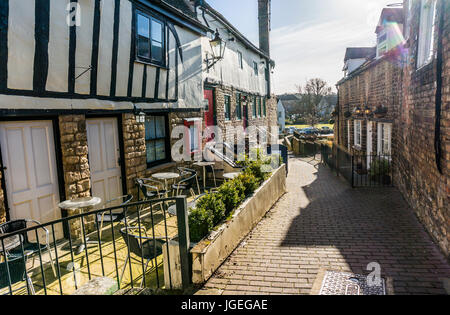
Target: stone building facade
<point>416,102</point>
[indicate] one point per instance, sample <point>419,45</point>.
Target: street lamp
<point>358,111</point>
<point>218,46</point>
<point>367,111</point>
<point>139,115</point>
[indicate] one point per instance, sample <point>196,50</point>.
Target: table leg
<point>204,177</point>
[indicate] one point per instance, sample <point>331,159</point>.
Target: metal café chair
<point>12,272</point>
<point>187,184</point>
<point>150,189</point>
<point>116,215</point>
<point>30,249</point>
<point>143,247</point>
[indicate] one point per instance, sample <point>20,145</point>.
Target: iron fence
<point>359,170</point>
<point>144,235</point>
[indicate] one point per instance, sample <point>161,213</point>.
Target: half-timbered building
<point>73,74</point>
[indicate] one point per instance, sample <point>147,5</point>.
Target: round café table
<point>166,177</point>
<point>81,205</point>
<point>231,176</point>
<point>204,165</point>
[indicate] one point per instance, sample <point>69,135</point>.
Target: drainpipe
<point>439,66</point>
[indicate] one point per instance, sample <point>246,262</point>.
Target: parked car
<point>326,131</point>
<point>309,131</point>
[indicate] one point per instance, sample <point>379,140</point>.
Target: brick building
<point>396,104</point>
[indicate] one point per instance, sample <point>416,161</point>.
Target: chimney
<point>264,25</point>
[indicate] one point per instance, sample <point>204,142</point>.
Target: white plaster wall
<point>227,71</point>
<point>21,44</point>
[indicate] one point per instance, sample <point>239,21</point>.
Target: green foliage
<point>213,208</point>
<point>213,203</point>
<point>249,181</point>
<point>233,193</point>
<point>380,167</point>
<point>200,223</point>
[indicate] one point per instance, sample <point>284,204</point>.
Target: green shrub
<point>232,193</point>
<point>200,223</point>
<point>214,204</point>
<point>249,181</point>
<point>380,167</point>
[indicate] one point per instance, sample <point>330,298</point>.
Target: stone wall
<point>424,187</point>
<point>227,126</point>
<point>77,175</point>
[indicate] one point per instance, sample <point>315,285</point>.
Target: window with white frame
<point>255,68</point>
<point>240,60</point>
<point>384,138</point>
<point>193,131</point>
<point>426,32</point>
<point>358,133</point>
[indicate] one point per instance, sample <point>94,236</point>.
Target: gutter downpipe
<point>439,86</point>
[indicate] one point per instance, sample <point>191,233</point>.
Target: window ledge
<point>148,63</point>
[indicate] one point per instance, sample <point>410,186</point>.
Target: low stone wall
<point>210,253</point>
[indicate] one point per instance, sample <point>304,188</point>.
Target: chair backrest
<point>16,272</point>
<point>14,226</point>
<point>133,242</point>
<point>189,173</point>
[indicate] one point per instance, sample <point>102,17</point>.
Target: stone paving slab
<point>322,223</point>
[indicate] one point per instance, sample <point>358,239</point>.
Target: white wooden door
<point>104,155</point>
<point>28,153</point>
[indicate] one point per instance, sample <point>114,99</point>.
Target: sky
<point>309,37</point>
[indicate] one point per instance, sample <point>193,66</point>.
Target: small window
<point>238,106</point>
<point>150,39</point>
<point>358,133</point>
<point>265,107</point>
<point>254,107</point>
<point>384,139</point>
<point>255,68</point>
<point>426,32</point>
<point>227,107</point>
<point>193,134</point>
<point>240,60</point>
<point>259,107</point>
<point>156,140</point>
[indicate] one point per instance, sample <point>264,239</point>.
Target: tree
<point>313,92</point>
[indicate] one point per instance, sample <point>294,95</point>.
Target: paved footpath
<point>321,223</point>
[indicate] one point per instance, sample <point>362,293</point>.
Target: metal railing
<point>359,170</point>
<point>155,230</point>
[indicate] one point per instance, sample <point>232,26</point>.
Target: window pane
<point>160,149</point>
<point>157,34</point>
<point>160,123</point>
<point>150,128</point>
<point>151,153</point>
<point>157,51</point>
<point>143,25</point>
<point>143,47</point>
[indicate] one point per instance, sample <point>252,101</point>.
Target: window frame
<point>259,107</point>
<point>255,68</point>
<point>238,107</point>
<point>384,137</point>
<point>240,60</point>
<point>159,19</point>
<point>264,107</point>
<point>424,56</point>
<point>358,138</point>
<point>227,107</point>
<point>166,139</point>
<point>254,110</point>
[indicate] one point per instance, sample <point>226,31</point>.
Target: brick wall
<point>425,189</point>
<point>379,84</point>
